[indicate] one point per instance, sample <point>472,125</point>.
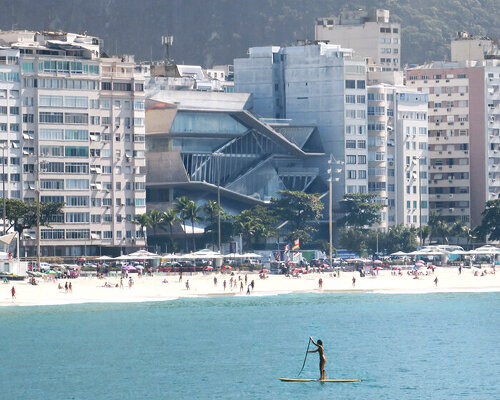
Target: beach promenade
<point>168,287</point>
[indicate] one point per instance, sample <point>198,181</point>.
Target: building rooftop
<point>193,100</point>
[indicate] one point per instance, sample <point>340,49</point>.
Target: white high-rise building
<point>397,149</point>
<point>75,129</point>
<point>319,84</point>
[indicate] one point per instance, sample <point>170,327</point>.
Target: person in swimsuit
<point>322,358</point>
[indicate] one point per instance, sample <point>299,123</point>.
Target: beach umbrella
<point>227,267</point>
<point>209,268</point>
<point>296,271</point>
<point>377,262</point>
<point>378,268</point>
<point>265,271</point>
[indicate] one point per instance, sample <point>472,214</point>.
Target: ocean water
<point>435,346</point>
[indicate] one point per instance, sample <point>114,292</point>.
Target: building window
<point>350,99</point>
<point>350,84</point>
<point>350,159</point>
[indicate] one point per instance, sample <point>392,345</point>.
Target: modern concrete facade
<point>368,34</point>
<point>463,135</point>
<point>314,84</point>
<point>397,150</point>
<point>81,141</point>
<point>202,143</point>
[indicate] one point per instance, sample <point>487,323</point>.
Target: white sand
<point>87,290</point>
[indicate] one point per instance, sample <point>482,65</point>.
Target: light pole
<point>217,157</point>
<point>3,186</point>
<point>331,161</point>
<point>419,199</point>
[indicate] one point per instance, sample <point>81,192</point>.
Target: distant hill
<point>216,31</point>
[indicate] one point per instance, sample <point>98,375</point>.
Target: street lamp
<point>330,171</point>
<point>217,157</point>
<point>419,198</point>
<point>3,186</point>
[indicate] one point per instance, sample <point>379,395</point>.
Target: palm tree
<point>461,229</point>
<point>144,221</point>
<point>213,210</point>
<point>170,219</point>
<point>192,214</point>
<point>439,227</point>
<point>180,207</point>
<point>157,220</point>
<point>425,232</point>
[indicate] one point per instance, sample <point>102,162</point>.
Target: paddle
<point>305,358</point>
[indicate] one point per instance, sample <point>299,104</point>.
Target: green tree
<point>461,230</point>
<point>180,206</point>
<point>170,219</point>
<point>353,239</point>
<point>192,213</point>
<point>157,220</point>
<point>145,222</point>
<point>360,210</point>
<point>212,211</point>
<point>255,224</point>
<point>490,224</point>
<point>426,232</point>
<point>301,211</point>
<point>439,228</point>
<point>20,215</point>
<point>401,238</point>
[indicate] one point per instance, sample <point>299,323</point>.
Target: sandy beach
<point>168,287</point>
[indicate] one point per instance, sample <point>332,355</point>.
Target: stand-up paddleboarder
<point>322,358</point>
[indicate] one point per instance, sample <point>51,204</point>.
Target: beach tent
<point>399,254</point>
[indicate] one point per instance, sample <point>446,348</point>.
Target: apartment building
<point>463,135</point>
<point>469,47</point>
<point>79,139</point>
<point>397,150</point>
<point>314,84</point>
<point>369,34</point>
<point>10,123</point>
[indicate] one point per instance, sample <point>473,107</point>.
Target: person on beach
<point>241,287</point>
<point>224,284</point>
<point>322,358</point>
<point>66,287</point>
<point>187,284</point>
<point>121,283</point>
<point>180,276</point>
<point>252,284</point>
<point>436,281</point>
<point>215,281</point>
<point>320,283</point>
<point>246,278</point>
<point>248,290</point>
<point>13,292</point>
<point>353,281</point>
<point>70,287</point>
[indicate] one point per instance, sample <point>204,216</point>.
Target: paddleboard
<point>318,380</point>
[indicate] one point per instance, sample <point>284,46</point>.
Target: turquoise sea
<point>434,346</point>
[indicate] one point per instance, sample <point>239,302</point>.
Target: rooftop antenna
<point>167,41</point>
